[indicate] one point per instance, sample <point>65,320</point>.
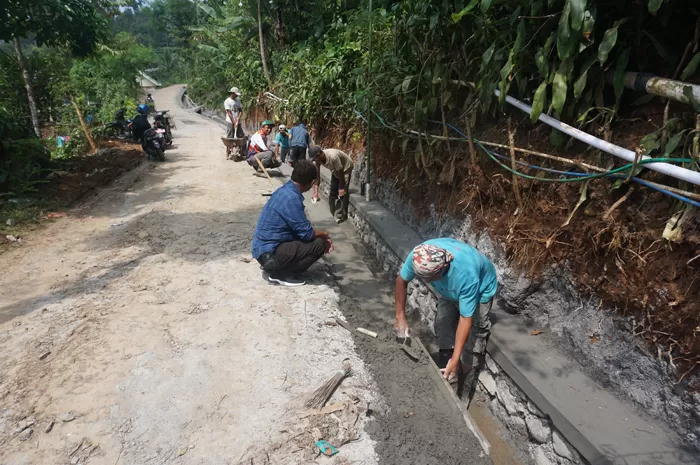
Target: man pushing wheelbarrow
<point>235,140</point>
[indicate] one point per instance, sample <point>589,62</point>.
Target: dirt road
<point>134,331</point>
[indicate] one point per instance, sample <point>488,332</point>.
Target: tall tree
<point>263,49</point>
<point>77,23</point>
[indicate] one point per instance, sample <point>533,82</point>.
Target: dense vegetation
<point>48,66</point>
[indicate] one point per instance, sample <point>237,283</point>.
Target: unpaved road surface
<point>135,331</point>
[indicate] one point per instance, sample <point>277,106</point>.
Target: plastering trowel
<point>405,342</point>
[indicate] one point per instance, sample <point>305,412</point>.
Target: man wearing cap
<point>466,281</point>
<point>282,139</point>
<point>340,164</point>
<point>234,111</point>
<point>258,148</point>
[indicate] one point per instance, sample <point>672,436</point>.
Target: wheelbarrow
<point>235,148</point>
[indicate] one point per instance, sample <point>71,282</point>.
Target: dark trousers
<point>339,206</point>
<point>297,153</point>
<point>284,153</point>
<point>293,257</point>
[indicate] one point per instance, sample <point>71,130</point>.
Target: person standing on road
<point>258,148</point>
<point>466,281</point>
<point>234,111</point>
<point>300,140</point>
<point>285,243</point>
<point>282,139</point>
<point>340,164</point>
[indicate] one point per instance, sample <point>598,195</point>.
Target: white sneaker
<point>282,280</point>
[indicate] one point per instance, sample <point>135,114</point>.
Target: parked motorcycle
<point>161,122</point>
<point>119,130</point>
<point>153,144</point>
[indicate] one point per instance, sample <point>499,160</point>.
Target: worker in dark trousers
<point>340,164</point>
<point>284,242</point>
<point>466,281</point>
<point>299,141</point>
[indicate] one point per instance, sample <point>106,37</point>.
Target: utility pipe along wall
<point>677,172</point>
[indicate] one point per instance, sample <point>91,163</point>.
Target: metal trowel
<point>405,342</point>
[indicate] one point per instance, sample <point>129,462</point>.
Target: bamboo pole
<point>85,129</point>
<point>516,187</point>
<point>472,150</point>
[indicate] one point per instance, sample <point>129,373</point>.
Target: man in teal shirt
<point>466,281</point>
<point>282,140</point>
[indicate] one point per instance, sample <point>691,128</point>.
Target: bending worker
<point>466,282</point>
<point>341,166</point>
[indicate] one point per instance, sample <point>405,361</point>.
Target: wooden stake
<point>516,188</point>
<point>472,150</point>
<point>85,129</point>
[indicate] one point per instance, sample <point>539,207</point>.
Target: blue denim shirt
<point>299,136</point>
<point>282,220</point>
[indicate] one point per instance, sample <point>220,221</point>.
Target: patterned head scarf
<point>429,260</point>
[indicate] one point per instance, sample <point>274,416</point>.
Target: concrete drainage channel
<point>548,410</point>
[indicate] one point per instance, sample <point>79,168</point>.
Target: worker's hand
<point>450,371</point>
<point>329,245</point>
<point>401,327</point>
<point>341,193</point>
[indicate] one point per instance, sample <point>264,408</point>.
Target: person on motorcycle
<point>140,122</point>
<point>258,148</point>
<point>119,116</point>
<point>150,103</point>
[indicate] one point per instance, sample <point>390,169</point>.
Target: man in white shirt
<point>234,111</point>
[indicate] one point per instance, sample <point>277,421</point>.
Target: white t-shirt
<point>258,140</point>
<point>234,105</point>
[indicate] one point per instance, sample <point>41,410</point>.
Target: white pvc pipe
<point>677,172</point>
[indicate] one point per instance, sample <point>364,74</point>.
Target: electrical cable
<point>579,177</point>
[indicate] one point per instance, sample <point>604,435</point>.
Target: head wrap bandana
<point>429,260</point>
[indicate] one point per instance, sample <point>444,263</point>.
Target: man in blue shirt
<point>299,141</point>
<point>284,243</point>
<point>466,281</point>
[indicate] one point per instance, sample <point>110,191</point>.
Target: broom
<point>321,395</point>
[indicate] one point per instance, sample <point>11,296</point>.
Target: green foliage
<point>23,158</point>
<point>431,60</point>
<point>76,23</point>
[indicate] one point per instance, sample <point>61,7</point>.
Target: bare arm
<point>461,336</point>
<point>463,329</point>
<point>318,179</point>
<point>400,299</point>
